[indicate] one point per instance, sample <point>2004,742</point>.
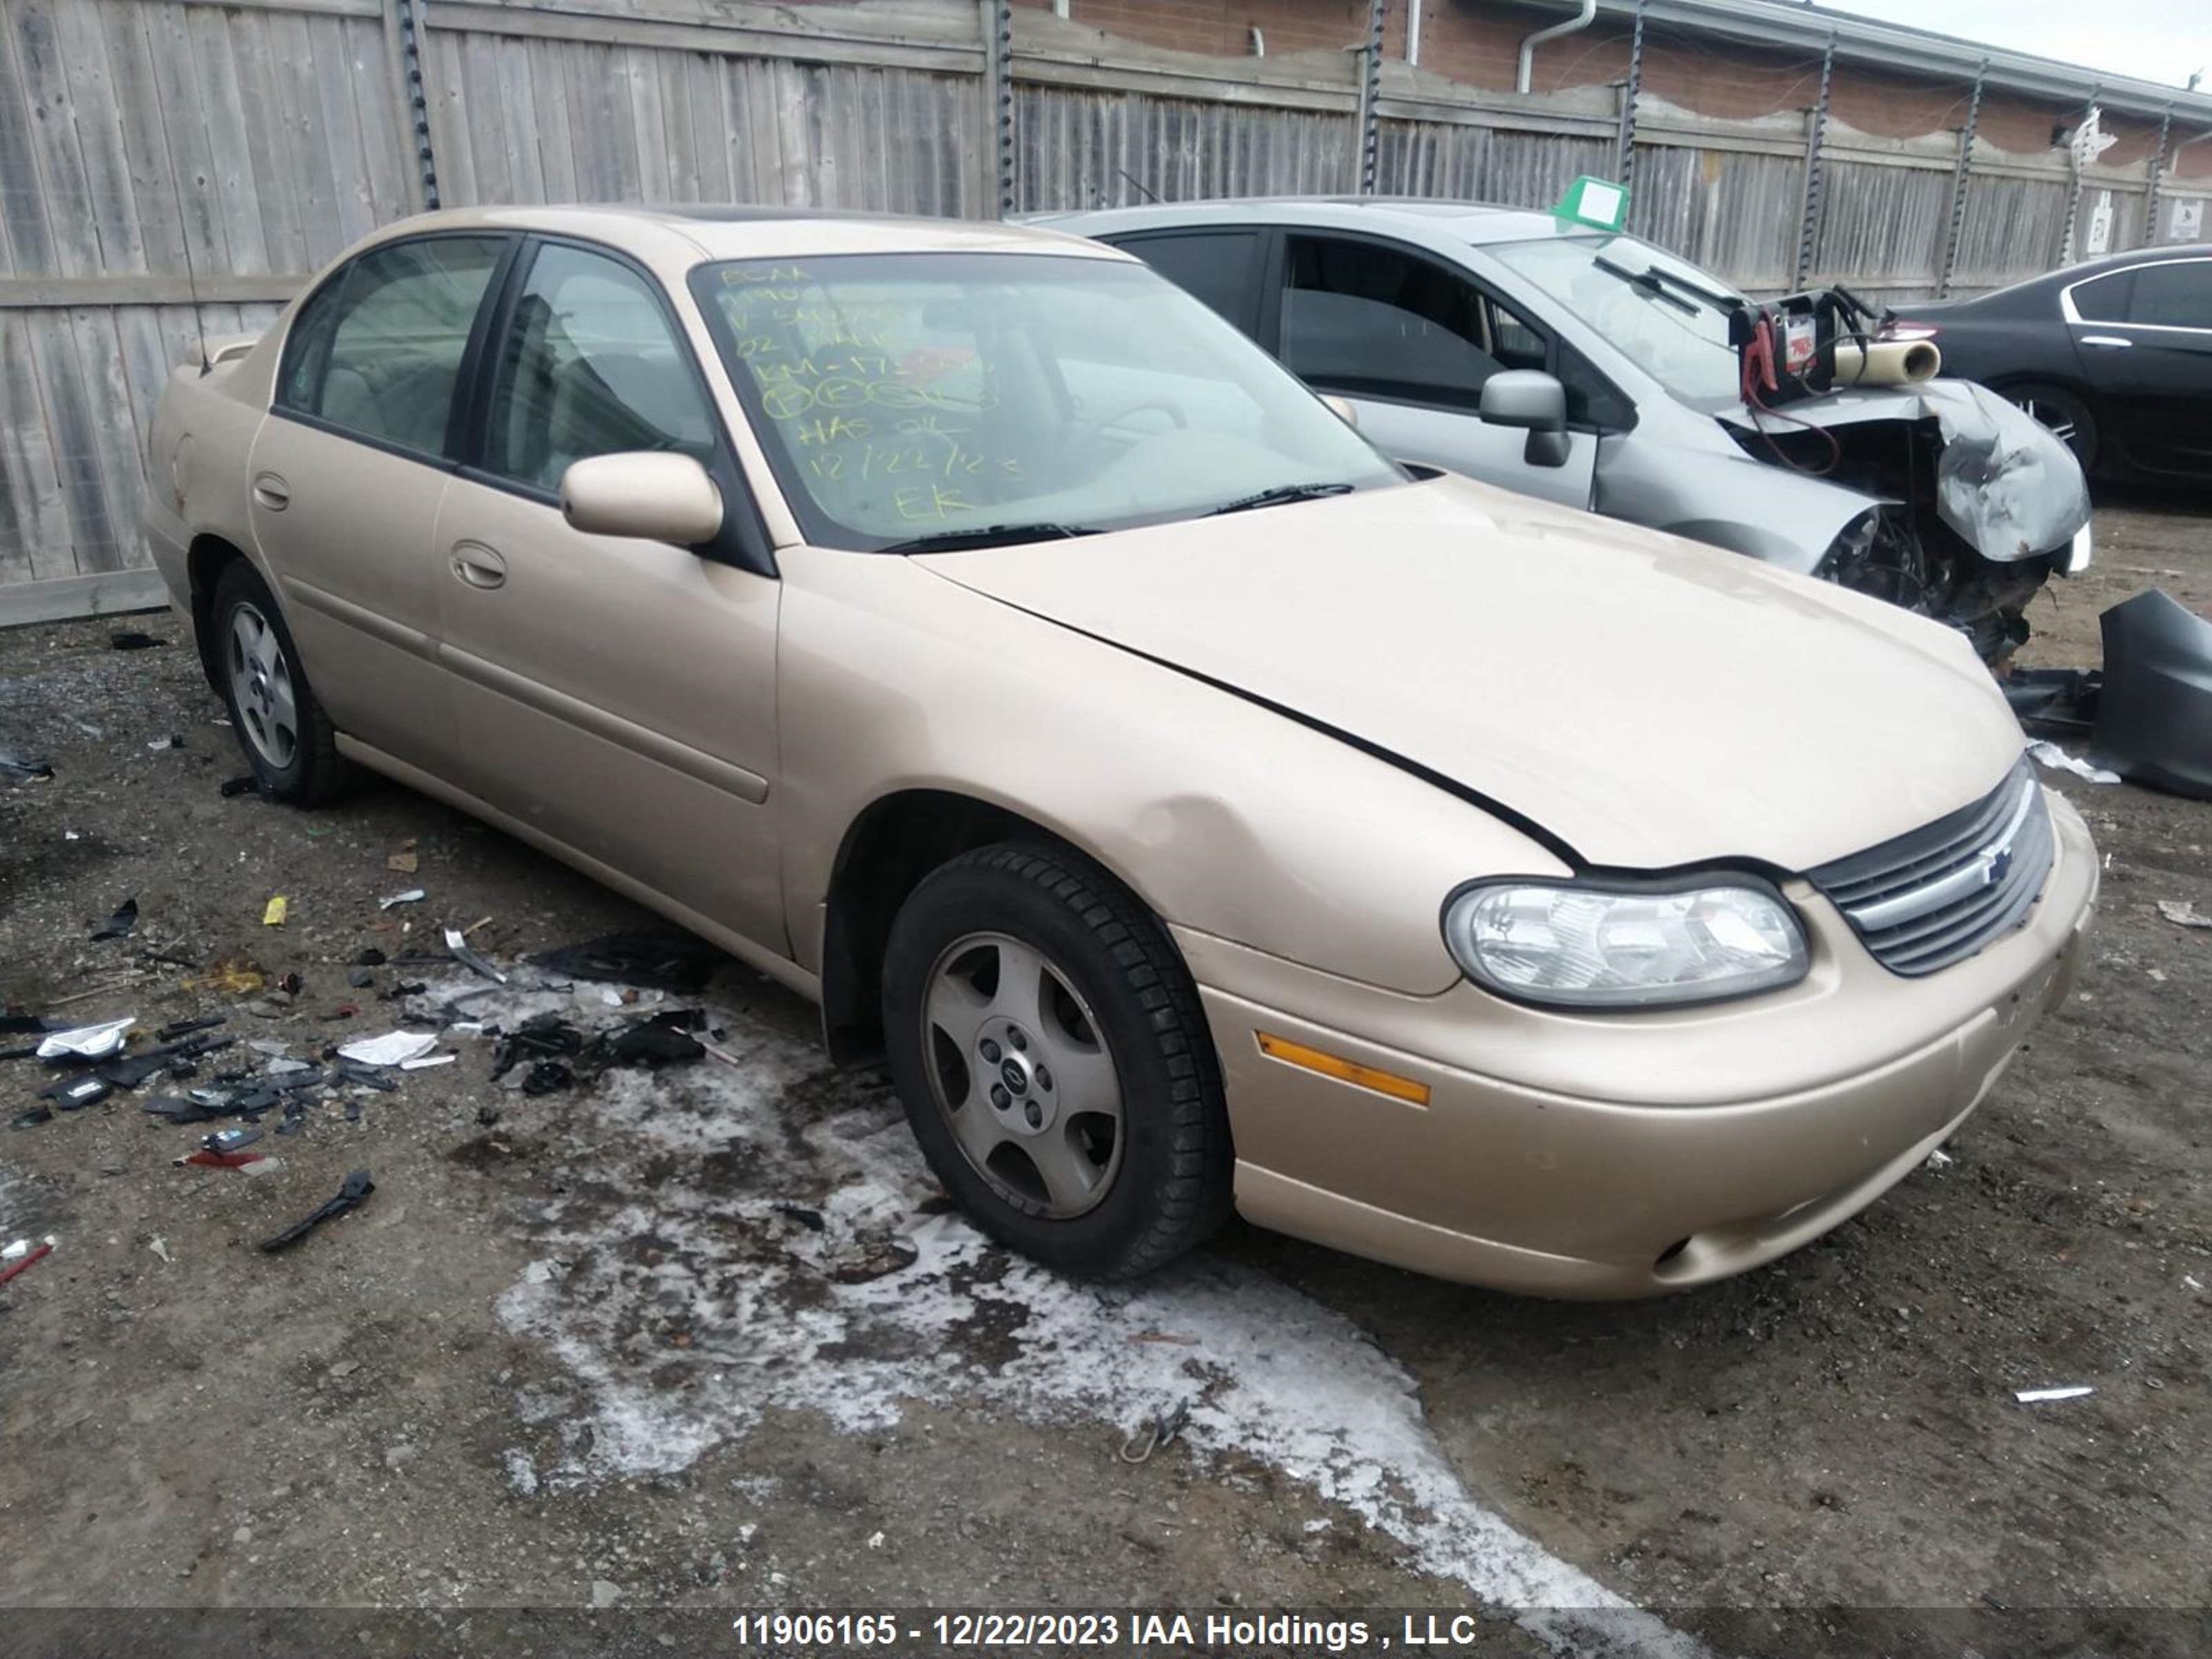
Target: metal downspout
<point>1371,94</point>
<point>2157,179</point>
<point>1625,139</point>
<point>1817,131</point>
<point>1581,19</point>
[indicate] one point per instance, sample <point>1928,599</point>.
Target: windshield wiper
<point>1282,495</point>
<point>1665,285</point>
<point>989,535</point>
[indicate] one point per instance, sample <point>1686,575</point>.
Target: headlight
<point>1593,946</point>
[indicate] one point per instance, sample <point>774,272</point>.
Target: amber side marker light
<point>1343,1070</point>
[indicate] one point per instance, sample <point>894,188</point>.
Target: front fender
<point>1222,816</point>
<point>1729,499</point>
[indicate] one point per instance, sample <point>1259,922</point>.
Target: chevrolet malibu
<point>1195,809</point>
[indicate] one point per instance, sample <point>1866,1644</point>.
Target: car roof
<point>1476,222</point>
<point>671,238</point>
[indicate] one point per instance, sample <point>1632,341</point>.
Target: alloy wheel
<point>261,687</point>
<point>1018,1067</point>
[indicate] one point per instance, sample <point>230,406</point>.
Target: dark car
<point>2115,357</point>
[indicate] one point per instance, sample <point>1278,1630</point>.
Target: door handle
<point>272,491</point>
<point>2107,342</point>
<point>478,565</point>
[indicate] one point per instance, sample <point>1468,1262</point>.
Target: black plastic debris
<point>654,962</point>
<point>18,1024</point>
<point>178,1111</point>
<point>369,1076</point>
<point>176,1029</point>
<point>662,1040</point>
<point>240,786</point>
<point>370,957</point>
<point>545,1077</point>
<point>22,768</point>
<point>124,919</point>
<point>229,1140</point>
<point>129,1070</point>
<point>130,640</point>
<point>803,1214</point>
<point>295,1116</point>
<point>350,1196</point>
<point>546,1036</point>
<point>74,1094</point>
<point>31,1118</point>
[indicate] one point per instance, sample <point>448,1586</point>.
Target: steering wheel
<point>1097,428</point>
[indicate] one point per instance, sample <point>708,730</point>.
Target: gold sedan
<point>1195,807</point>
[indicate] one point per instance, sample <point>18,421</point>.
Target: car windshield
<point>1667,317</point>
<point>919,400</point>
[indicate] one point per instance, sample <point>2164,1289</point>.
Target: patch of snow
<point>710,1275</point>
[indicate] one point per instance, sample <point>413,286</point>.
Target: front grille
<point>1938,895</point>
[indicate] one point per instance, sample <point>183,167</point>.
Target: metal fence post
<point>2157,179</point>
<point>1818,129</point>
<point>1623,146</point>
<point>409,16</point>
<point>998,17</point>
<point>2074,179</point>
<point>1371,94</point>
<point>1959,179</point>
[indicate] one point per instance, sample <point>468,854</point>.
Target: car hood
<point>1647,701</point>
<point>2008,485</point>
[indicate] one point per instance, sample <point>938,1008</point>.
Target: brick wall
<point>1477,43</point>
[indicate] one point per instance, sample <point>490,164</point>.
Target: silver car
<point>1592,368</point>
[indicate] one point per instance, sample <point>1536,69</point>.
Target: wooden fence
<point>154,151</point>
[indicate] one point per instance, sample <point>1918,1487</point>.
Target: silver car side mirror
<point>648,495</point>
<point>1533,400</point>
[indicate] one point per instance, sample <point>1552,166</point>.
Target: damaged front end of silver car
<point>1971,506</point>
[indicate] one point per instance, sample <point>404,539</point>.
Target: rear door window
<point>2105,299</point>
<point>377,352</point>
<point>2173,295</point>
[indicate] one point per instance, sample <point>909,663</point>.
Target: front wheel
<point>2064,416</point>
<point>1048,1047</point>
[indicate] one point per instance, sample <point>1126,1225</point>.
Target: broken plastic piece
<point>245,785</point>
<point>426,1062</point>
<point>545,1077</point>
<point>179,1111</point>
<point>176,1029</point>
<point>2037,1396</point>
<point>75,1093</point>
<point>23,769</point>
<point>390,1050</point>
<point>412,896</point>
<point>350,1196</point>
<point>2154,715</point>
<point>22,1255</point>
<point>272,914</point>
<point>655,1041</point>
<point>656,963</point>
<point>124,919</point>
<point>368,1077</point>
<point>175,740</point>
<point>88,1041</point>
<point>32,1117</point>
<point>468,958</point>
<point>229,1140</point>
<point>2051,755</point>
<point>2183,914</point>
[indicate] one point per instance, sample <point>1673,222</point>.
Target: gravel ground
<point>703,1338</point>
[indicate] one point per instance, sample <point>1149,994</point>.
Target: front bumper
<point>1577,1156</point>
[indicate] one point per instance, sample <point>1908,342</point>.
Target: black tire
<point>1170,1186</point>
<point>311,771</point>
<point>2064,414</point>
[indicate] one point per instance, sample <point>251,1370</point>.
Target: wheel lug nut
<point>999,1097</point>
<point>990,1052</point>
<point>1043,1078</point>
<point>1032,1112</point>
<point>1017,1039</point>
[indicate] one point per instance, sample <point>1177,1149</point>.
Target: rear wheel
<point>1053,1059</point>
<point>288,739</point>
<point>2063,414</point>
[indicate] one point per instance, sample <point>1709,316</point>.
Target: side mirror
<point>1534,401</point>
<point>1342,409</point>
<point>651,496</point>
